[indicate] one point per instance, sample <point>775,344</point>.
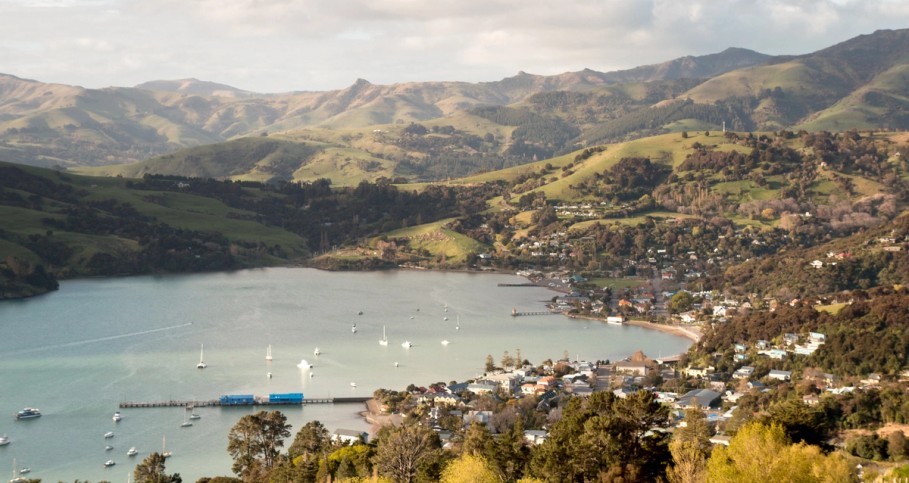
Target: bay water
<point>75,354</point>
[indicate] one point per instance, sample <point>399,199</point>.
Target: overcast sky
<point>286,45</point>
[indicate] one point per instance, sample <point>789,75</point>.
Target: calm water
<point>77,352</point>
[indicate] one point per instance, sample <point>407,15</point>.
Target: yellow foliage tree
<point>468,468</point>
<point>760,453</point>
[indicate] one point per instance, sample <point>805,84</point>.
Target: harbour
<point>78,353</point>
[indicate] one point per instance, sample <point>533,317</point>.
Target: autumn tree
<point>469,468</point>
<point>403,451</point>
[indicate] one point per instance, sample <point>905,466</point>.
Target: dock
<point>516,313</point>
<point>256,402</point>
<point>518,285</point>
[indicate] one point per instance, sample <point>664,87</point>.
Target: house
<point>447,400</point>
<point>350,436</point>
<point>720,439</point>
<point>638,368</point>
<point>481,417</point>
<point>743,372</point>
<point>535,436</point>
<point>811,400</point>
<point>780,375</point>
<point>508,381</point>
<point>817,264</point>
<point>697,371</point>
<point>482,387</point>
<point>817,337</point>
<point>697,398</point>
<point>872,379</point>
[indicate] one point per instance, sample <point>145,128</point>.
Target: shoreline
<point>691,333</point>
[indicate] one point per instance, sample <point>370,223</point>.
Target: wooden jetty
<point>515,313</point>
<point>518,285</point>
<point>257,402</point>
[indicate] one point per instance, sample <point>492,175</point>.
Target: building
<point>350,436</point>
<point>698,398</point>
<point>780,375</point>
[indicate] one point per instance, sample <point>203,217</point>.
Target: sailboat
<point>458,323</point>
<point>268,353</point>
<point>186,423</point>
<point>16,478</point>
<point>384,340</point>
<point>201,364</point>
<point>164,452</point>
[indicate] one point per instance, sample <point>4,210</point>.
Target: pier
<point>515,313</point>
<point>256,402</point>
<point>518,285</point>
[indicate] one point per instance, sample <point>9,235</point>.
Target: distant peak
<point>362,82</point>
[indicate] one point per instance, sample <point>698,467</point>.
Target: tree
<point>310,445</point>
<point>759,453</point>
<point>681,302</point>
<point>403,451</point>
<point>151,470</point>
<point>490,363</point>
<point>254,443</point>
<point>688,462</point>
<point>468,468</point>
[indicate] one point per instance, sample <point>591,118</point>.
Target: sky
<point>272,46</point>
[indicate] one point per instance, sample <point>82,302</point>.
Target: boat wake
<point>98,339</point>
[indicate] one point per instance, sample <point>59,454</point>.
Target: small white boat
<point>396,364</point>
<point>132,451</point>
<point>353,384</point>
<point>194,416</point>
<point>186,423</point>
<point>353,328</point>
<point>384,340</point>
<point>17,479</point>
<point>108,435</point>
<point>164,452</point>
<point>445,318</point>
<point>268,353</point>
<point>25,470</point>
<point>269,375</point>
<point>304,364</point>
<point>117,417</point>
<point>109,463</point>
<point>406,344</point>
<point>316,352</point>
<point>108,448</point>
<point>445,342</point>
<point>201,364</point>
<point>4,440</point>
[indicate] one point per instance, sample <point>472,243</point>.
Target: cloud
<point>279,45</point>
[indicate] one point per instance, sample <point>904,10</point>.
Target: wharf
<point>516,313</point>
<point>257,402</point>
<point>518,285</point>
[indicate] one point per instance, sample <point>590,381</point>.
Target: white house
<point>350,436</point>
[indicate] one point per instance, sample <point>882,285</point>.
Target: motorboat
<point>353,384</point>
<point>132,451</point>
<point>316,351</point>
<point>194,416</point>
<point>304,364</point>
<point>201,364</point>
<point>4,440</point>
<point>396,364</point>
<point>109,463</point>
<point>445,342</point>
<point>108,435</point>
<point>117,417</point>
<point>25,471</point>
<point>353,328</point>
<point>406,344</point>
<point>108,448</point>
<point>28,413</point>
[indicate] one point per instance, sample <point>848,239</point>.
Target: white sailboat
<point>316,351</point>
<point>164,452</point>
<point>458,323</point>
<point>201,364</point>
<point>186,423</point>
<point>268,353</point>
<point>16,478</point>
<point>384,340</point>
